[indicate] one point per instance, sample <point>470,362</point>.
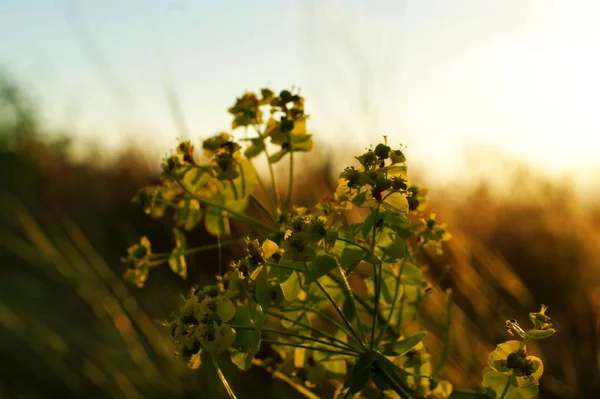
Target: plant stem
<point>194,250</point>
<point>291,182</point>
<point>264,190</point>
<point>273,342</point>
<point>277,265</point>
<point>397,290</point>
<point>222,377</point>
<point>504,392</point>
<point>235,193</point>
<point>324,334</point>
<point>309,338</point>
<point>355,244</point>
<point>394,384</point>
<point>245,218</point>
<point>389,316</point>
<point>337,308</point>
<point>376,277</point>
<point>362,302</point>
<point>263,208</point>
<point>243,177</point>
<point>273,181</point>
<point>324,317</point>
<point>348,289</point>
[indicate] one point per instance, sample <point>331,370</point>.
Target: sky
<point>444,78</point>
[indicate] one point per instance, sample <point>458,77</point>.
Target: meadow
<point>70,326</point>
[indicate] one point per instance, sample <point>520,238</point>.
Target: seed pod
<point>382,151</point>
<point>514,360</point>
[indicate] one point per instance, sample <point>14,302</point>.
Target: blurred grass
<point>70,327</point>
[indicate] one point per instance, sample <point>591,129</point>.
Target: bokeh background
<point>495,101</point>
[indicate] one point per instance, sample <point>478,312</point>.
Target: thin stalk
<point>363,302</point>
<point>263,208</point>
<point>309,338</point>
<point>222,378</point>
<point>273,342</point>
<point>355,244</point>
<point>339,311</point>
<point>264,190</point>
<point>394,384</point>
<point>295,335</point>
<point>505,391</point>
<point>389,316</point>
<point>243,177</point>
<point>157,262</point>
<point>324,334</point>
<point>291,182</point>
<point>376,278</point>
<point>245,218</point>
<point>446,350</point>
<point>235,192</point>
<point>324,317</point>
<point>337,308</point>
<point>194,250</point>
<point>277,265</point>
<point>397,290</point>
<point>271,172</point>
<point>348,289</point>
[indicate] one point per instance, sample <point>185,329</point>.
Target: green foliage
<point>290,290</point>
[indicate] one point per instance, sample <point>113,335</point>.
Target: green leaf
<point>256,147</point>
<point>351,257</point>
<point>215,223</point>
<point>246,183</point>
<point>195,360</point>
<point>188,213</point>
<point>248,316</point>
<point>315,297</point>
<point>177,258</point>
<point>496,382</point>
<point>396,202</point>
<point>394,251</point>
<point>222,337</point>
<point>540,334</point>
<point>195,178</point>
<point>269,292</point>
<point>302,143</point>
<point>388,288</point>
<point>276,157</point>
<point>368,225</point>
<point>361,373</point>
<point>401,347</point>
<point>225,308</point>
<point>242,360</point>
<point>360,199</point>
<point>283,273</point>
<point>320,266</point>
<point>497,358</point>
<point>292,286</point>
<point>395,373</point>
<point>411,275</point>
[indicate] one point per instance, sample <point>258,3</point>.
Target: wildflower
<point>137,260</point>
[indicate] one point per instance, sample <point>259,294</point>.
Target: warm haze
<point>518,77</point>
